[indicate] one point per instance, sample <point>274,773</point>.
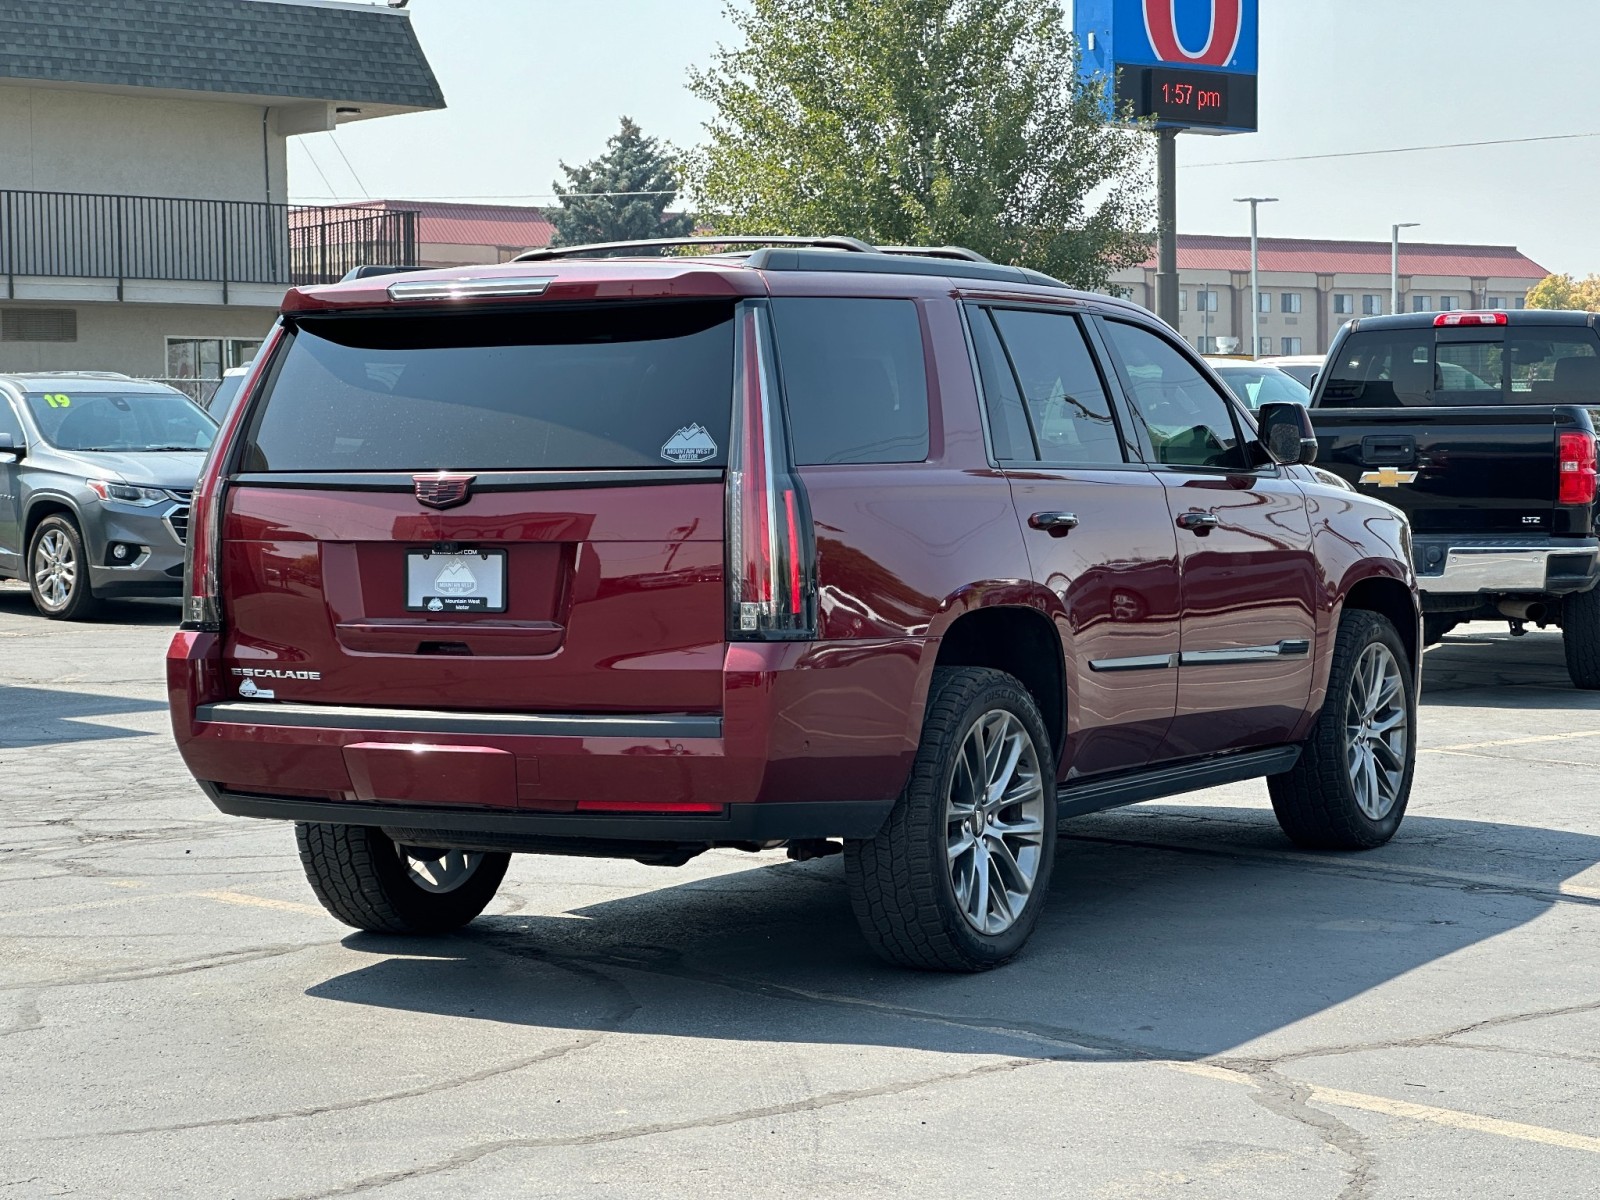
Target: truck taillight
<point>1469,318</point>
<point>1577,469</point>
<point>771,545</point>
<point>202,591</point>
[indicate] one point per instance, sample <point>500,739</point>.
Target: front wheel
<point>58,571</point>
<point>956,878</point>
<point>1350,788</point>
<point>367,880</point>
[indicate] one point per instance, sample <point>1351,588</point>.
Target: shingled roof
<point>263,49</point>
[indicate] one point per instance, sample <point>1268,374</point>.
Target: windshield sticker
<point>57,400</point>
<point>691,444</point>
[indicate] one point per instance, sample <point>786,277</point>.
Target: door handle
<point>1198,523</point>
<point>1056,524</point>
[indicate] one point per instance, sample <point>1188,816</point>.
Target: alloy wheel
<point>55,568</point>
<point>438,871</point>
<point>1376,728</point>
<point>994,822</point>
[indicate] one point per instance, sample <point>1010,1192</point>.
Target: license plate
<point>466,581</point>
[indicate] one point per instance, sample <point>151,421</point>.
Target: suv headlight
<point>126,493</point>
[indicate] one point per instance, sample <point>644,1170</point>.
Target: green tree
<point>1563,291</point>
<point>621,196</point>
<point>921,122</point>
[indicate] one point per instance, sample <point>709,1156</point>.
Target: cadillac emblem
<point>442,490</point>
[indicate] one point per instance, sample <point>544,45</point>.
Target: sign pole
<point>1167,226</point>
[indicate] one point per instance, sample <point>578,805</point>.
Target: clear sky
<point>533,82</point>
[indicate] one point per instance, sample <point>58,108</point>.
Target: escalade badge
<point>441,490</point>
<point>1388,477</point>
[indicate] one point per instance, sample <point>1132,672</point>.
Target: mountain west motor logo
<point>691,444</point>
<point>251,690</point>
<point>456,579</point>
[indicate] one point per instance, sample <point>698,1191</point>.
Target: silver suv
<point>96,475</point>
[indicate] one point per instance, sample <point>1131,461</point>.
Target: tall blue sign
<point>1190,64</point>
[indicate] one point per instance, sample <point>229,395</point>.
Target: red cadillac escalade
<point>777,542</point>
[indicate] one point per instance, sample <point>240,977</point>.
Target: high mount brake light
<point>771,545</point>
<point>202,591</point>
<point>1576,467</point>
<point>1469,318</point>
<point>470,289</point>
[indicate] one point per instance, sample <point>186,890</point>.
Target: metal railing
<point>92,236</point>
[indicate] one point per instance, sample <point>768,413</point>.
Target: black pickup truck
<point>1480,427</point>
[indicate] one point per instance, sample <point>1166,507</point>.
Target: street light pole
<point>1394,264</point>
<point>1255,271</point>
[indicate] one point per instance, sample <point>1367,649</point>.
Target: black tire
<point>1580,638</point>
<point>900,881</point>
<point>361,878</point>
<point>57,535</point>
<point>1317,802</point>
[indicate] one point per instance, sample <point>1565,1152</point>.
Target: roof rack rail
<point>822,243</point>
<point>956,252</point>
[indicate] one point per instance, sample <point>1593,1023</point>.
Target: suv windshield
<point>122,421</point>
<point>607,386</point>
<point>1264,385</point>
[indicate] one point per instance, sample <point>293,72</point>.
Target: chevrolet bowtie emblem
<point>1389,477</point>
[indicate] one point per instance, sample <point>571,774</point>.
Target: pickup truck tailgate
<point>1480,469</point>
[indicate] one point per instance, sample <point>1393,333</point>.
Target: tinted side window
<point>854,378</point>
<point>1008,422</point>
<point>1067,405</point>
<point>1553,365</point>
<point>1381,369</point>
<point>1189,422</point>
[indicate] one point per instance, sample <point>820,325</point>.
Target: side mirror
<point>1287,434</point>
<point>10,452</point>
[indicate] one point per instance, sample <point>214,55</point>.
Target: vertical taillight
<point>202,592</point>
<point>1577,469</point>
<point>771,545</point>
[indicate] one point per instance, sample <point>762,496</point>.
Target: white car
<point>1304,367</point>
<point>1258,383</point>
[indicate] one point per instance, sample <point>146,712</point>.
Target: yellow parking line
<point>223,897</point>
<point>1406,1110</point>
<point>1521,741</point>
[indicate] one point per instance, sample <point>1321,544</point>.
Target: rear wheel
<point>1350,788</point>
<point>1580,637</point>
<point>956,878</point>
<point>58,571</point>
<point>367,880</point>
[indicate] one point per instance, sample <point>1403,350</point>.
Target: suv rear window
<point>596,388</point>
<point>854,379</point>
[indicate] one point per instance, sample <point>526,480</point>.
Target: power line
<point>316,164</point>
<point>1248,162</point>
<point>365,191</point>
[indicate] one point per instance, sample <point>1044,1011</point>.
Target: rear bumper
<point>814,740</point>
<point>1475,566</point>
<point>738,824</point>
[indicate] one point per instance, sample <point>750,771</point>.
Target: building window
<point>1371,305</point>
<point>1421,303</point>
<point>1263,347</point>
<point>1344,305</point>
<point>1497,301</point>
<point>1447,303</point>
<point>1291,345</point>
<point>195,364</point>
<point>1183,299</point>
<point>1519,302</point>
<point>38,325</point>
<point>1264,302</point>
<point>1121,292</point>
<point>1291,302</point>
<point>1206,345</point>
<point>1205,301</point>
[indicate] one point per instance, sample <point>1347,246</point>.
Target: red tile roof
<point>506,225</point>
<point>1210,252</point>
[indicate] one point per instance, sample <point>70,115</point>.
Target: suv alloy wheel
<point>58,571</point>
<point>956,878</point>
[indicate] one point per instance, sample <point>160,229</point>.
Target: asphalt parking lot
<point>1203,1012</point>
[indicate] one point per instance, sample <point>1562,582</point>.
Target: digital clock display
<point>1174,96</point>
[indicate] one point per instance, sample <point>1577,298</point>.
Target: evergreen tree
<point>922,122</point>
<point>636,181</point>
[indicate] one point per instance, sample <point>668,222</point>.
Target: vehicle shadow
<point>112,612</point>
<point>1182,929</point>
<point>47,716</point>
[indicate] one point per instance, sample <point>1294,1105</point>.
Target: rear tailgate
<point>580,572</point>
<point>1480,470</point>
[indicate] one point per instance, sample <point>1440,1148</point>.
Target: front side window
<point>1189,422</point>
<point>131,422</point>
<point>854,378</point>
<point>1064,403</point>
